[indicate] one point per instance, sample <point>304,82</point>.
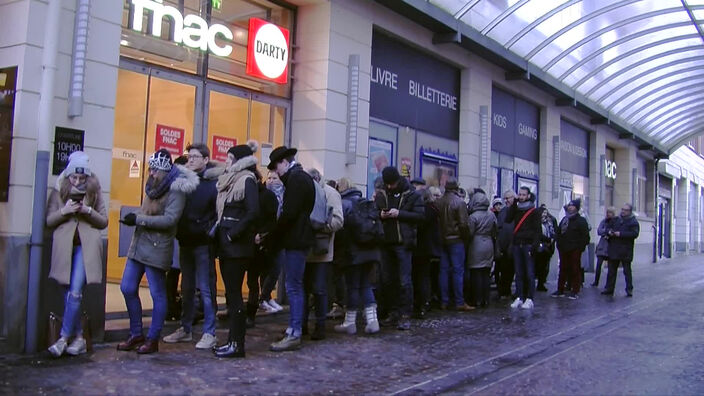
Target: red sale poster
<point>220,146</point>
<point>170,138</point>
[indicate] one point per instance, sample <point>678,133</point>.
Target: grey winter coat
<point>602,248</point>
<point>153,239</point>
<point>482,231</point>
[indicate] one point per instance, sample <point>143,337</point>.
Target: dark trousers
<point>480,279</point>
<point>172,296</point>
<point>337,292</point>
<point>597,269</point>
<point>359,288</point>
<point>613,271</point>
<point>232,270</point>
<point>542,267</point>
<point>525,270</point>
<point>396,280</point>
<point>256,275</point>
<point>570,270</point>
<point>505,272</point>
<point>315,282</point>
<point>421,280</point>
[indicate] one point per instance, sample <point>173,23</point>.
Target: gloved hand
<point>130,219</point>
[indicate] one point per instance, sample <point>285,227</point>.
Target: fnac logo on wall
<point>267,51</point>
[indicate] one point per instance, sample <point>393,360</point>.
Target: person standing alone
<point>621,242</point>
<point>525,221</point>
<point>572,238</point>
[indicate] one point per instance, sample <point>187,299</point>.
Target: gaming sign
<point>267,51</point>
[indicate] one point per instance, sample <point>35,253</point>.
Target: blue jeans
<point>396,280</point>
<point>359,286</point>
<point>73,296</point>
<point>196,269</point>
<point>315,282</point>
<point>134,270</point>
<point>525,270</point>
<point>452,265</point>
<point>295,267</point>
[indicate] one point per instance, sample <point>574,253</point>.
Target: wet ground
<point>649,344</point>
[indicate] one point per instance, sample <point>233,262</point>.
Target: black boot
<point>230,350</point>
<point>318,332</point>
<point>251,315</point>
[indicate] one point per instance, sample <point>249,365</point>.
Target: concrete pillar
<point>681,237</point>
<point>475,92</point>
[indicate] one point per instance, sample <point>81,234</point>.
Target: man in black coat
<point>295,234</point>
<point>504,259</point>
<point>621,241</point>
<point>196,257</point>
<point>525,222</point>
<point>402,209</point>
<point>572,237</point>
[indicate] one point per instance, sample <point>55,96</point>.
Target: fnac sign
<point>267,51</point>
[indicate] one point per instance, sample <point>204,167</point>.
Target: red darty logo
<point>267,51</point>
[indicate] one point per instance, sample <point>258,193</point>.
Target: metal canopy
<point>637,63</point>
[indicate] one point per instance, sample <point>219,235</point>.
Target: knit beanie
<point>161,160</point>
<point>244,150</point>
<point>390,175</point>
<point>78,162</point>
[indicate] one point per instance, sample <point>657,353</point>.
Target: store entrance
<point>157,108</point>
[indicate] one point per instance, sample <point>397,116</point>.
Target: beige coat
<point>87,226</point>
<point>335,222</point>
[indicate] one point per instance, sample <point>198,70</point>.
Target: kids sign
<point>267,51</point>
<point>169,138</point>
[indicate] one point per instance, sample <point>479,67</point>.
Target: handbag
<point>54,329</point>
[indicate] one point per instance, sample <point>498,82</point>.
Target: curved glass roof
<point>639,63</point>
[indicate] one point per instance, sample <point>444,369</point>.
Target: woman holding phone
<point>77,213</point>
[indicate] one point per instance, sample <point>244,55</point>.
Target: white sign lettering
<point>432,95</point>
<point>610,169</point>
<point>385,78</point>
<point>191,30</point>
<point>528,131</point>
<point>500,120</point>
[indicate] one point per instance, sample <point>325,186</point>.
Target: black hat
<point>577,203</point>
<point>419,181</point>
<point>390,175</point>
<point>451,185</point>
<point>279,154</point>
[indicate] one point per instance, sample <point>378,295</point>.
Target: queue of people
<point>405,250</point>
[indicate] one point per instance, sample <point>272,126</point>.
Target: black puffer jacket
<point>199,214</point>
<point>403,229</point>
<point>429,239</point>
<point>572,234</point>
<point>293,229</point>
<point>347,252</point>
<point>531,229</point>
<point>621,247</point>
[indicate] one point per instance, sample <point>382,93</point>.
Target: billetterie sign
<point>190,30</point>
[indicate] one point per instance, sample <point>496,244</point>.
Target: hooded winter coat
<point>347,252</point>
<point>237,224</point>
<point>199,214</point>
<point>293,228</point>
<point>153,238</point>
<point>87,226</point>
<point>482,231</point>
<point>621,247</point>
<point>411,211</point>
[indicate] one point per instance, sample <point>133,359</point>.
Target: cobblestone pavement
<point>648,344</point>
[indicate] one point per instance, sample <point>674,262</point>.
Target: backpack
<point>364,224</point>
<point>319,214</point>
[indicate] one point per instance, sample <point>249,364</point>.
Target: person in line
<point>195,258</point>
<point>76,213</point>
<point>152,248</point>
<point>173,275</point>
<point>402,209</point>
<point>265,255</point>
<point>295,233</point>
<point>572,237</point>
<point>275,256</point>
<point>525,227</point>
<point>315,278</point>
<point>453,220</point>
<point>505,269</point>
<point>427,251</point>
<point>496,205</point>
<point>546,248</point>
<point>602,248</point>
<point>482,232</point>
<point>237,212</point>
<point>625,229</point>
<point>419,184</point>
<point>358,262</point>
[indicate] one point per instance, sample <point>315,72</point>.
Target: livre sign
<point>190,30</point>
<point>267,51</point>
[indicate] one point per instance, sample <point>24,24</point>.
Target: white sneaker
<point>275,305</point>
<point>77,347</point>
<point>179,335</point>
<point>264,306</point>
<point>528,304</point>
<point>59,347</point>
<point>207,341</point>
<point>516,303</point>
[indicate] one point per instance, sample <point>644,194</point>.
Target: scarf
<point>566,221</point>
<point>525,205</point>
<point>156,192</point>
<point>230,186</point>
<point>548,229</point>
<point>278,189</point>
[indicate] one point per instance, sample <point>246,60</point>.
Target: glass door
<point>154,109</point>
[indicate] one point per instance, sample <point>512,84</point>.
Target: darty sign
<point>191,30</point>
<point>267,51</point>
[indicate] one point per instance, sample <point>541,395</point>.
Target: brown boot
<point>149,346</point>
<point>131,343</point>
